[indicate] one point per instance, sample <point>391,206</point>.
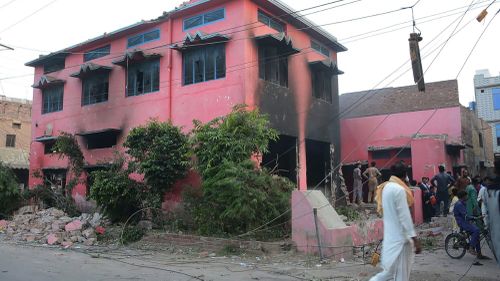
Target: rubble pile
<point>54,227</point>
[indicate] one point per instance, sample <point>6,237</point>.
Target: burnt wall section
<point>282,157</point>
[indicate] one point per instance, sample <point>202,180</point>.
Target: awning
<point>47,81</point>
<point>103,131</point>
<point>136,56</point>
<point>280,40</point>
<point>46,139</point>
<point>90,68</point>
<point>327,65</point>
<point>192,41</point>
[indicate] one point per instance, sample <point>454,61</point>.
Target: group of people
<point>372,175</point>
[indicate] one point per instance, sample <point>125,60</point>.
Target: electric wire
<point>7,4</point>
<point>27,17</point>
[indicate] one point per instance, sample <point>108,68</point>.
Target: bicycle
<point>456,244</point>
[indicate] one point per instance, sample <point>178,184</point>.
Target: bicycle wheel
<point>455,245</point>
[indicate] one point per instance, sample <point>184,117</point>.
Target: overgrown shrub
<point>350,213</point>
<point>66,146</point>
<point>160,152</point>
<point>132,233</point>
<point>10,196</point>
<point>115,192</point>
<point>234,138</point>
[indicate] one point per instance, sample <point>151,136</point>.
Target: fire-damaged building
<point>423,129</point>
<point>195,62</point>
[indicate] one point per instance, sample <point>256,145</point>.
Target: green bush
<point>238,198</point>
<point>132,234</point>
<point>115,192</point>
<point>10,196</point>
<point>160,152</point>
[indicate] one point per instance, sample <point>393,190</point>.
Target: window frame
<point>97,53</point>
<point>321,48</point>
<point>138,66</point>
<point>202,15</point>
<point>271,20</point>
<point>266,65</point>
<point>86,101</point>
<point>325,95</point>
<point>10,140</point>
<point>480,139</point>
<point>44,93</point>
<point>142,35</point>
<point>203,53</point>
<point>497,133</point>
<point>495,95</point>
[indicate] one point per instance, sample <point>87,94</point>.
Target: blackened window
<point>404,153</point>
<point>320,48</point>
<point>10,141</point>
<point>97,53</point>
<point>322,84</point>
<point>52,99</point>
<point>101,140</point>
<point>48,147</point>
<point>203,19</point>
<point>273,65</point>
<point>269,21</point>
<point>381,154</point>
<point>480,139</point>
<point>143,77</point>
<point>95,89</point>
<point>143,38</point>
<point>55,65</point>
<point>204,64</point>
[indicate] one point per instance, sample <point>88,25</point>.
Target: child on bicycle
<point>463,221</point>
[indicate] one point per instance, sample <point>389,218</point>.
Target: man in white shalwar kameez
<point>394,199</point>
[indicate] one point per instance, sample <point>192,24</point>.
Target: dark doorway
<point>318,165</point>
<point>282,157</point>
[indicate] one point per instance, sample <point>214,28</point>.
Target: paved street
<point>22,263</point>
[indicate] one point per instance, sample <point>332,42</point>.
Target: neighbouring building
<point>15,136</point>
<point>487,106</point>
<point>195,62</point>
<point>423,129</point>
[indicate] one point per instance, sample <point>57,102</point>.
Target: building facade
<point>195,62</point>
<point>423,129</point>
<point>487,105</point>
<point>15,136</point>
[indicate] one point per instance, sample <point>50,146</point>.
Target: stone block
<point>74,225</point>
<point>52,239</point>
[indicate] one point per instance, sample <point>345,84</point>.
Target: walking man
<point>394,199</point>
<point>442,181</point>
<point>357,186</point>
<point>372,174</point>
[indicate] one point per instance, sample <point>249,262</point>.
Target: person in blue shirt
<point>463,221</point>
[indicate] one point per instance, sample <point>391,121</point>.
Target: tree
<point>234,138</point>
<point>10,195</point>
<point>160,151</point>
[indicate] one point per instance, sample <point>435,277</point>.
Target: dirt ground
<point>43,263</point>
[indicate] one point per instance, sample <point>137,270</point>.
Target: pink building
<point>423,129</point>
<point>195,62</point>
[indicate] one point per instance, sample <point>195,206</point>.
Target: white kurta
<point>397,247</point>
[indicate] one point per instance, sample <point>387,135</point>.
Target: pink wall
<point>203,101</point>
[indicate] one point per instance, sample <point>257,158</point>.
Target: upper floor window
<point>321,84</point>
<point>204,64</point>
<point>52,99</point>
<point>143,77</point>
<point>269,21</point>
<point>16,124</point>
<point>480,136</point>
<point>320,48</point>
<point>496,98</point>
<point>203,19</point>
<point>55,65</point>
<point>273,65</point>
<point>143,38</point>
<point>97,53</point>
<point>10,141</point>
<point>381,154</point>
<point>95,89</point>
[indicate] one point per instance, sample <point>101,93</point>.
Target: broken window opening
<point>204,64</point>
<point>55,180</point>
<point>95,89</point>
<point>322,84</point>
<point>273,65</point>
<point>101,140</point>
<point>143,78</point>
<point>52,99</point>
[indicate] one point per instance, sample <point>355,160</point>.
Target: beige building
<point>15,135</point>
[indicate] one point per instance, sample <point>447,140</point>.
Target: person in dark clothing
<point>460,212</point>
<point>442,181</point>
<point>427,195</point>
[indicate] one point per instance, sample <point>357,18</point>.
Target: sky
<point>35,27</point>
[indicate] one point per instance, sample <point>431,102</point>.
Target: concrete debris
<point>53,227</point>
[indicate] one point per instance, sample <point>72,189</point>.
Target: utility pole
<point>7,48</point>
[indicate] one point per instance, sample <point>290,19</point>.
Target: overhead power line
<point>7,4</point>
<point>28,16</point>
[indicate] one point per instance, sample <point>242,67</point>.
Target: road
<point>26,263</point>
